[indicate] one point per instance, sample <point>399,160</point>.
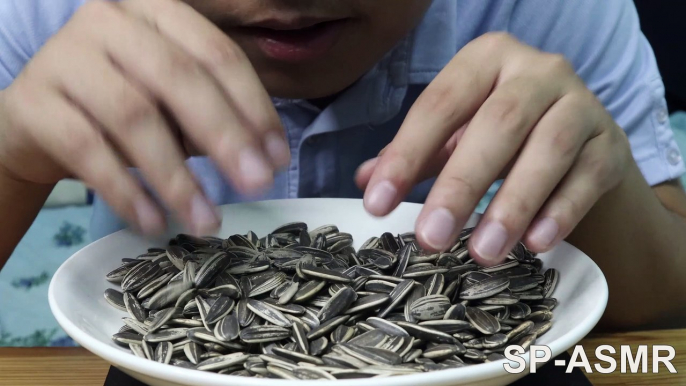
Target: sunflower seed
<point>295,291</point>
<point>312,373</point>
<point>449,326</point>
<point>318,346</point>
<point>434,285</point>
<point>426,333</point>
<point>430,307</point>
<point>222,362</point>
<point>115,299</point>
<point>482,321</point>
<point>371,355</point>
<point>268,313</point>
<point>495,340</point>
<point>308,290</point>
<point>211,269</point>
<point>327,327</point>
<point>444,350</point>
<point>342,334</point>
<point>228,328</point>
<point>338,303</point>
<point>397,295</point>
<point>370,302</point>
<point>485,288</point>
<point>519,310</point>
<point>260,334</point>
<point>166,335</point>
<point>221,307</point>
<point>551,277</point>
<point>387,327</point>
<point>300,337</point>
<point>163,352</point>
<point>193,351</point>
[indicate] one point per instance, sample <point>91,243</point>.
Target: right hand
<point>141,83</point>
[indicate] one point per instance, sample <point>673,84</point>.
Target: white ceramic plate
<point>76,292</point>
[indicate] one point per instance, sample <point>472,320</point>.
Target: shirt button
<point>662,115</point>
<point>312,140</point>
<point>673,156</point>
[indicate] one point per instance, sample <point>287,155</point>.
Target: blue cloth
<point>602,39</point>
<point>25,316</point>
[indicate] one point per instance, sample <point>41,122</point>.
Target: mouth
<point>297,40</point>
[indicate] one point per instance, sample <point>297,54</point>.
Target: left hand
<point>501,109</point>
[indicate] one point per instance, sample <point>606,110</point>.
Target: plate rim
<point>168,373</point>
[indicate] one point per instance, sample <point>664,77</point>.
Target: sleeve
<point>604,43</point>
<point>25,25</point>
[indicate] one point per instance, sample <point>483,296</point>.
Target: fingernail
<point>277,149</point>
<point>203,216</point>
<point>437,228</point>
<point>544,232</point>
<point>380,198</point>
<point>255,171</point>
<point>149,219</point>
<point>490,240</point>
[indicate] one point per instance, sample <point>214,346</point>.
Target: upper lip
<point>290,24</point>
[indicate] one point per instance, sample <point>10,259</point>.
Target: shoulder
<point>24,28</point>
<point>572,28</point>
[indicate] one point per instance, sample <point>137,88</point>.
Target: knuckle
<point>400,169</point>
<point>78,147</point>
<point>174,66</point>
<point>557,64</point>
<point>458,186</point>
<point>507,114</point>
<point>514,210</point>
<point>178,187</point>
<point>439,100</point>
<point>135,111</point>
<point>603,168</point>
<point>99,10</point>
<point>567,209</point>
<point>220,52</point>
<point>564,143</point>
<point>495,41</point>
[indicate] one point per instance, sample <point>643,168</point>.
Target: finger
<point>593,175</point>
<point>74,142</point>
<point>196,101</point>
<point>226,62</point>
<point>133,122</point>
<point>435,165</point>
<point>446,104</point>
<point>548,154</point>
<point>492,139</point>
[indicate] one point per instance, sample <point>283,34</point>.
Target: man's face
<point>313,48</point>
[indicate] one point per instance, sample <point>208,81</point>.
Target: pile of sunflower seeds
<point>301,304</point>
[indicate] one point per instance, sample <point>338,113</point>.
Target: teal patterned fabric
<point>25,317</point>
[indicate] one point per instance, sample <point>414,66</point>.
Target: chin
<point>300,86</point>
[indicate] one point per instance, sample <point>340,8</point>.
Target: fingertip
<point>255,172</point>
<point>487,244</point>
<point>364,172</point>
<point>542,235</point>
<point>380,199</point>
<point>437,230</point>
<point>148,216</point>
<point>278,150</point>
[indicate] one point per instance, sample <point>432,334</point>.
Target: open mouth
<point>295,43</point>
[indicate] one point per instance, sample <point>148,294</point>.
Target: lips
<point>294,42</point>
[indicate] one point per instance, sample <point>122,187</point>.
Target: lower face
<point>313,48</point>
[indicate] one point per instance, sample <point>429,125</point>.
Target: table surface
<point>76,366</point>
